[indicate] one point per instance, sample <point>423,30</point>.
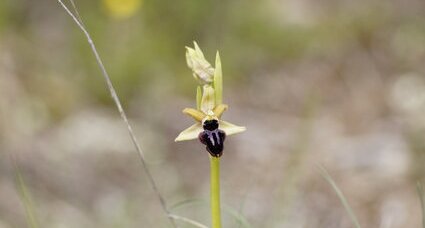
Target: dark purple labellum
<point>212,137</point>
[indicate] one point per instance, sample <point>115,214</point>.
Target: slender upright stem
<point>215,192</point>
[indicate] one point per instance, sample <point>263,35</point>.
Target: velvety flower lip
<point>209,96</point>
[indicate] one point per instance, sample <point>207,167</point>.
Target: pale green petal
<point>219,109</point>
<point>195,114</point>
<point>208,99</point>
<point>190,133</point>
<point>218,81</point>
<point>230,128</point>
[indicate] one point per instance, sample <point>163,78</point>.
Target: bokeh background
<point>333,82</point>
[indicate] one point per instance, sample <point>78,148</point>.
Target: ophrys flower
<point>209,128</point>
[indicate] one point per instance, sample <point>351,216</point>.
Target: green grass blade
<point>341,196</point>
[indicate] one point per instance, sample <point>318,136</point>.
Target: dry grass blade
<point>187,220</point>
<point>78,21</point>
<point>236,215</point>
<point>421,193</point>
<point>26,199</point>
<point>341,196</point>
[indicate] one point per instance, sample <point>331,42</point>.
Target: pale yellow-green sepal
<point>195,114</point>
<point>190,133</point>
<point>218,80</point>
<point>219,109</point>
<point>230,128</point>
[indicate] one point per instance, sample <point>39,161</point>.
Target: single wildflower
<point>122,9</point>
<point>209,128</point>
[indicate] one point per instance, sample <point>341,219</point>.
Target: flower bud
<point>201,68</point>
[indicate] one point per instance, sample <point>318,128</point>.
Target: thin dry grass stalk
<point>77,19</point>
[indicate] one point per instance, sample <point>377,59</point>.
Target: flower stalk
<point>215,192</point>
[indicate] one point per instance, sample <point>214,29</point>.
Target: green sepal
<point>218,80</point>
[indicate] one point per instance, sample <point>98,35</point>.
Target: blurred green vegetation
<point>151,43</point>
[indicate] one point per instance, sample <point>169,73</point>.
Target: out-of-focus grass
<point>26,200</point>
<point>421,194</point>
<point>340,195</point>
<point>227,210</point>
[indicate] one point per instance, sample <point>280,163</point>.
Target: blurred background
<point>336,83</point>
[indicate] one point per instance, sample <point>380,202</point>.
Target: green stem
<point>215,192</point>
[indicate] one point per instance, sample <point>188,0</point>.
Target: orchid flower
<point>209,96</point>
<point>209,128</point>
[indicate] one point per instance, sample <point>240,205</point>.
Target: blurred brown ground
<point>336,83</point>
